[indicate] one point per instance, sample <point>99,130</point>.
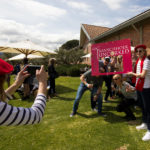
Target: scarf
<point>140,82</point>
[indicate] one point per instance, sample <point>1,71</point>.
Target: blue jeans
<point>82,88</point>
<point>144,102</point>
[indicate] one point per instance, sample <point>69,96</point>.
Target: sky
<point>50,23</point>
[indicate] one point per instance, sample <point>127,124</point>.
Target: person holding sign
<point>94,84</point>
<point>142,74</point>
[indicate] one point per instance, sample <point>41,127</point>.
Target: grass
<point>85,131</point>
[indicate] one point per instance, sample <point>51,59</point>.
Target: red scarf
<point>140,82</point>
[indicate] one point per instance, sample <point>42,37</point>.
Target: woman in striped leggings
<point>11,115</point>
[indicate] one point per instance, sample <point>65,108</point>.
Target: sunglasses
<point>116,78</point>
<point>108,60</point>
<point>140,51</point>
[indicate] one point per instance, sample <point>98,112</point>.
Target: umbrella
<point>26,47</point>
<point>22,56</point>
<point>132,48</point>
<point>87,56</point>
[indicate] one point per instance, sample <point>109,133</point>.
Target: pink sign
<point>116,55</point>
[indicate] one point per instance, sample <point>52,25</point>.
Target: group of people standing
<point>129,94</point>
<point>10,115</point>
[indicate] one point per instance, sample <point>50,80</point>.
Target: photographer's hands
<point>19,80</point>
<point>41,76</point>
<point>21,76</point>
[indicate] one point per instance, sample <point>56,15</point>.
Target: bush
<point>70,70</point>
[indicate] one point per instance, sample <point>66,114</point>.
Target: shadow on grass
<point>62,89</point>
<point>88,116</point>
<point>65,98</point>
<point>109,108</point>
<point>113,118</point>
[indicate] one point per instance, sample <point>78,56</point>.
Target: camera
<point>32,69</point>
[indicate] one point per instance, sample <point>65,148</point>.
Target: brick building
<point>137,29</point>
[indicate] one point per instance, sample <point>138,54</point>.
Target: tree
<point>70,44</point>
<point>69,57</point>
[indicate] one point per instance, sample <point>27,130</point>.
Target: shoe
<point>25,97</point>
<point>106,101</point>
<point>142,126</point>
<point>129,118</point>
<point>72,114</point>
<point>146,137</point>
<point>102,114</point>
<point>94,109</point>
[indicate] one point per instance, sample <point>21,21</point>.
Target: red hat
<point>138,46</point>
<point>5,68</point>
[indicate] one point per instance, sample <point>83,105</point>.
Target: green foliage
<point>70,70</point>
<point>69,57</point>
<point>70,44</point>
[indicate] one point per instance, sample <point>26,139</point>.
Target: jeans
<point>82,88</point>
<point>144,102</point>
<point>108,80</point>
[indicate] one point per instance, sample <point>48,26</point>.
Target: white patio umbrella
<point>22,56</point>
<point>87,56</point>
<point>26,47</point>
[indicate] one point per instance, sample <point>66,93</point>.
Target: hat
<point>5,68</point>
<point>138,46</point>
<point>107,58</point>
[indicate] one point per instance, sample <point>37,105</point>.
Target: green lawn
<point>86,131</point>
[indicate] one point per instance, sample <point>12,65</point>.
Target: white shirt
<point>146,66</point>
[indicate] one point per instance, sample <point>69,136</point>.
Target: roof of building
<point>131,21</point>
<point>91,31</point>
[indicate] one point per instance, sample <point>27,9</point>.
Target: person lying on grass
<point>11,115</point>
<point>127,95</point>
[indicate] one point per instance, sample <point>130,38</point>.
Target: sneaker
<point>146,137</point>
<point>94,109</point>
<point>142,126</point>
<point>106,101</point>
<point>25,97</point>
<point>129,118</point>
<point>72,114</point>
<point>102,114</point>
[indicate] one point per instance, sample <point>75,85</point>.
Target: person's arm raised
<point>41,76</point>
<point>19,80</point>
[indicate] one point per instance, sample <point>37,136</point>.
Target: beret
<point>140,46</point>
<point>5,68</point>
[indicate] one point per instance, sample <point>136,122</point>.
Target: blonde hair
<point>117,75</point>
<point>51,61</point>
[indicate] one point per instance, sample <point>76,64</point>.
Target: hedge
<point>71,70</point>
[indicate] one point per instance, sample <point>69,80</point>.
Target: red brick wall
<point>146,33</point>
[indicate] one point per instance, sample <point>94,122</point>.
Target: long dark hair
<point>2,92</point>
